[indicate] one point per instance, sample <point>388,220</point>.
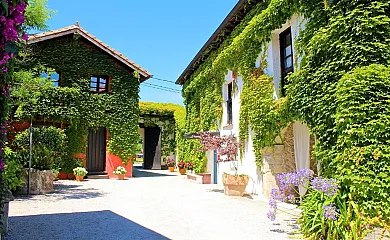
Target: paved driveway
<point>153,205</point>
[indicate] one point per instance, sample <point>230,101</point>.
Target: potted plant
<point>62,175</point>
<point>190,167</point>
<point>171,164</point>
<point>227,147</point>
<point>80,172</point>
<point>120,172</point>
<point>182,167</point>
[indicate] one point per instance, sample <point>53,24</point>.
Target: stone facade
<point>41,182</point>
<point>278,159</point>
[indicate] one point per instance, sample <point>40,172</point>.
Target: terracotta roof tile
<point>77,29</point>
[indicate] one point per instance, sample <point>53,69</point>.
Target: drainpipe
<point>29,161</point>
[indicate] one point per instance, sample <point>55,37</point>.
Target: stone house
<point>94,83</point>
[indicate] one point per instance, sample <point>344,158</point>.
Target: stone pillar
<point>278,159</point>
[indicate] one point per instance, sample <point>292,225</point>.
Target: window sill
<point>228,126</point>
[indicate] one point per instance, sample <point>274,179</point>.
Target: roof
<point>76,29</point>
<point>233,19</point>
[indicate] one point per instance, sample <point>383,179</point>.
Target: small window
<point>286,57</point>
<point>229,103</point>
<point>99,84</point>
<point>53,76</point>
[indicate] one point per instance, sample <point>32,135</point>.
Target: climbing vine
<point>73,104</point>
<point>203,91</point>
<point>259,110</point>
<point>336,90</point>
<point>343,100</point>
<point>168,117</point>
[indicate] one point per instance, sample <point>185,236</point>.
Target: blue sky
<point>161,36</point>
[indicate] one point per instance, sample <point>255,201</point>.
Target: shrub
<point>12,170</point>
<point>362,153</point>
<point>48,147</point>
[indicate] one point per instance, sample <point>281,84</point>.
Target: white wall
<point>247,163</point>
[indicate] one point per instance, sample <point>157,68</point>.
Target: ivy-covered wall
<point>73,102</point>
<point>203,91</point>
<point>340,37</point>
<point>168,117</point>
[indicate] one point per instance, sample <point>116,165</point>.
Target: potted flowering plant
<point>80,172</point>
<point>171,164</point>
<point>190,167</point>
<point>227,147</point>
<point>120,172</point>
<point>182,167</point>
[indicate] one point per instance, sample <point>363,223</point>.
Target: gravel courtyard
<point>152,205</point>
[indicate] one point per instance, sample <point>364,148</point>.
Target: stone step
<point>98,176</point>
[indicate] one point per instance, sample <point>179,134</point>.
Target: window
<point>54,77</point>
<point>286,57</point>
<point>229,103</point>
<point>99,84</point>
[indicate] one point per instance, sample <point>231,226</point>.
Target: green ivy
<point>168,117</point>
<point>73,104</point>
<point>344,102</point>
<point>203,91</point>
<point>265,116</point>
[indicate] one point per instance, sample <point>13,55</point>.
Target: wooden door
<point>152,148</point>
<point>96,151</point>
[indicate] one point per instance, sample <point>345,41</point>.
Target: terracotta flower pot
<point>62,175</point>
<point>121,176</point>
<point>234,185</point>
<point>182,171</point>
<point>171,169</point>
<point>70,176</point>
<point>79,178</point>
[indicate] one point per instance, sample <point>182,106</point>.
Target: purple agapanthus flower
<point>330,212</point>
<point>271,215</point>
<point>327,186</point>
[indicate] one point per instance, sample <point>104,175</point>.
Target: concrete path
<point>153,205</point>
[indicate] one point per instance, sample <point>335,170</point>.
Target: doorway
<point>152,148</point>
<point>96,150</point>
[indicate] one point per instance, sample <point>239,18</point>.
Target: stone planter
<point>234,185</point>
<point>200,178</point>
<point>41,182</point>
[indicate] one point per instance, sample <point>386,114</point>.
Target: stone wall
<point>278,159</point>
<point>41,182</point>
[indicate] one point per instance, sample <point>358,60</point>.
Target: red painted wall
<point>112,162</point>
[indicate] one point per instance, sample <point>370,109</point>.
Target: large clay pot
<point>234,185</point>
<point>182,171</point>
<point>62,175</point>
<point>121,176</point>
<point>79,178</point>
<point>171,169</point>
